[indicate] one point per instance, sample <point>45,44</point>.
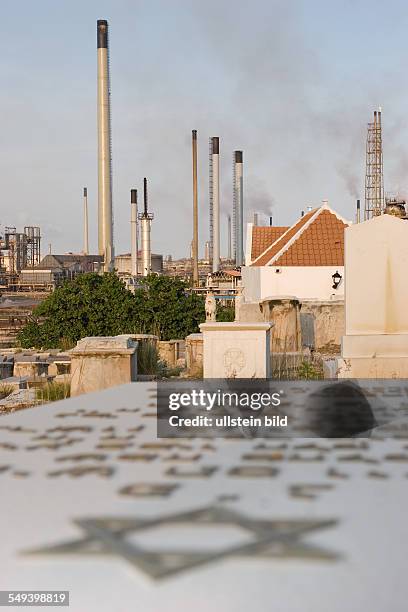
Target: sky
<point>292,83</point>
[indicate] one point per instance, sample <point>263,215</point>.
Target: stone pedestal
<point>376,297</point>
<point>236,350</point>
<point>101,362</point>
<point>286,336</point>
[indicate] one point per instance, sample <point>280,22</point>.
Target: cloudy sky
<point>291,82</point>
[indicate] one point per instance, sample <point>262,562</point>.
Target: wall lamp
<point>336,279</point>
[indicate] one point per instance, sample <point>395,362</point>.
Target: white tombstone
<point>236,350</point>
<point>376,300</point>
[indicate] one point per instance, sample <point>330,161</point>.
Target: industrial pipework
<point>105,214</point>
<point>146,218</point>
<point>133,230</point>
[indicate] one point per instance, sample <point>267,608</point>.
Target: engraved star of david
<point>271,539</point>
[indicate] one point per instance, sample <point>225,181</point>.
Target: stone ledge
<point>235,327</point>
<point>375,345</point>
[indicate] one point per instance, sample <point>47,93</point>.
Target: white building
<point>305,260</point>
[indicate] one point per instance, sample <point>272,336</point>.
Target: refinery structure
<point>22,266</point>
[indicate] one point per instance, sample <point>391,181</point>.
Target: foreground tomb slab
<point>225,542</point>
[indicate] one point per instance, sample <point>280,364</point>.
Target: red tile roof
<point>317,239</point>
<point>270,252</point>
<point>263,237</point>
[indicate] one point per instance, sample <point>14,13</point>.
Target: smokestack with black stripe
<point>105,213</point>
<point>145,220</point>
<point>133,229</point>
<point>86,236</point>
<point>238,208</point>
<point>215,202</point>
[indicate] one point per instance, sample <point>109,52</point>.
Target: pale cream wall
<point>376,258</point>
<point>303,282</point>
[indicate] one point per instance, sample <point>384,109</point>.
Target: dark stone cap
<point>215,145</point>
<point>238,157</point>
<point>85,192</point>
<point>102,34</point>
<point>133,196</point>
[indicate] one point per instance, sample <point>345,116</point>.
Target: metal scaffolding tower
<point>374,179</point>
<point>33,240</point>
<point>211,199</point>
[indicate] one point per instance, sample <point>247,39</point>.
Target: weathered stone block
<point>194,354</point>
<point>102,362</point>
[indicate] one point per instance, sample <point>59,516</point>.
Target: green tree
<point>167,309</point>
<point>225,313</point>
<point>100,305</point>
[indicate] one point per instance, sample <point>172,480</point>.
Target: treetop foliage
<point>100,305</point>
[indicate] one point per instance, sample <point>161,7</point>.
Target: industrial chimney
<point>105,216</point>
<point>238,208</point>
<point>86,237</point>
<point>195,211</point>
<point>133,230</point>
<point>358,212</point>
<point>146,218</point>
<point>215,202</point>
<point>229,239</point>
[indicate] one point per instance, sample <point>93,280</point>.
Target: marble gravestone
<point>244,524</point>
<point>236,350</point>
<point>376,295</point>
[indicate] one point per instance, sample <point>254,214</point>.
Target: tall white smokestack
<point>105,216</point>
<point>133,230</point>
<point>238,208</point>
<point>215,201</point>
<point>229,238</point>
<point>194,251</point>
<point>146,218</point>
<point>86,236</point>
